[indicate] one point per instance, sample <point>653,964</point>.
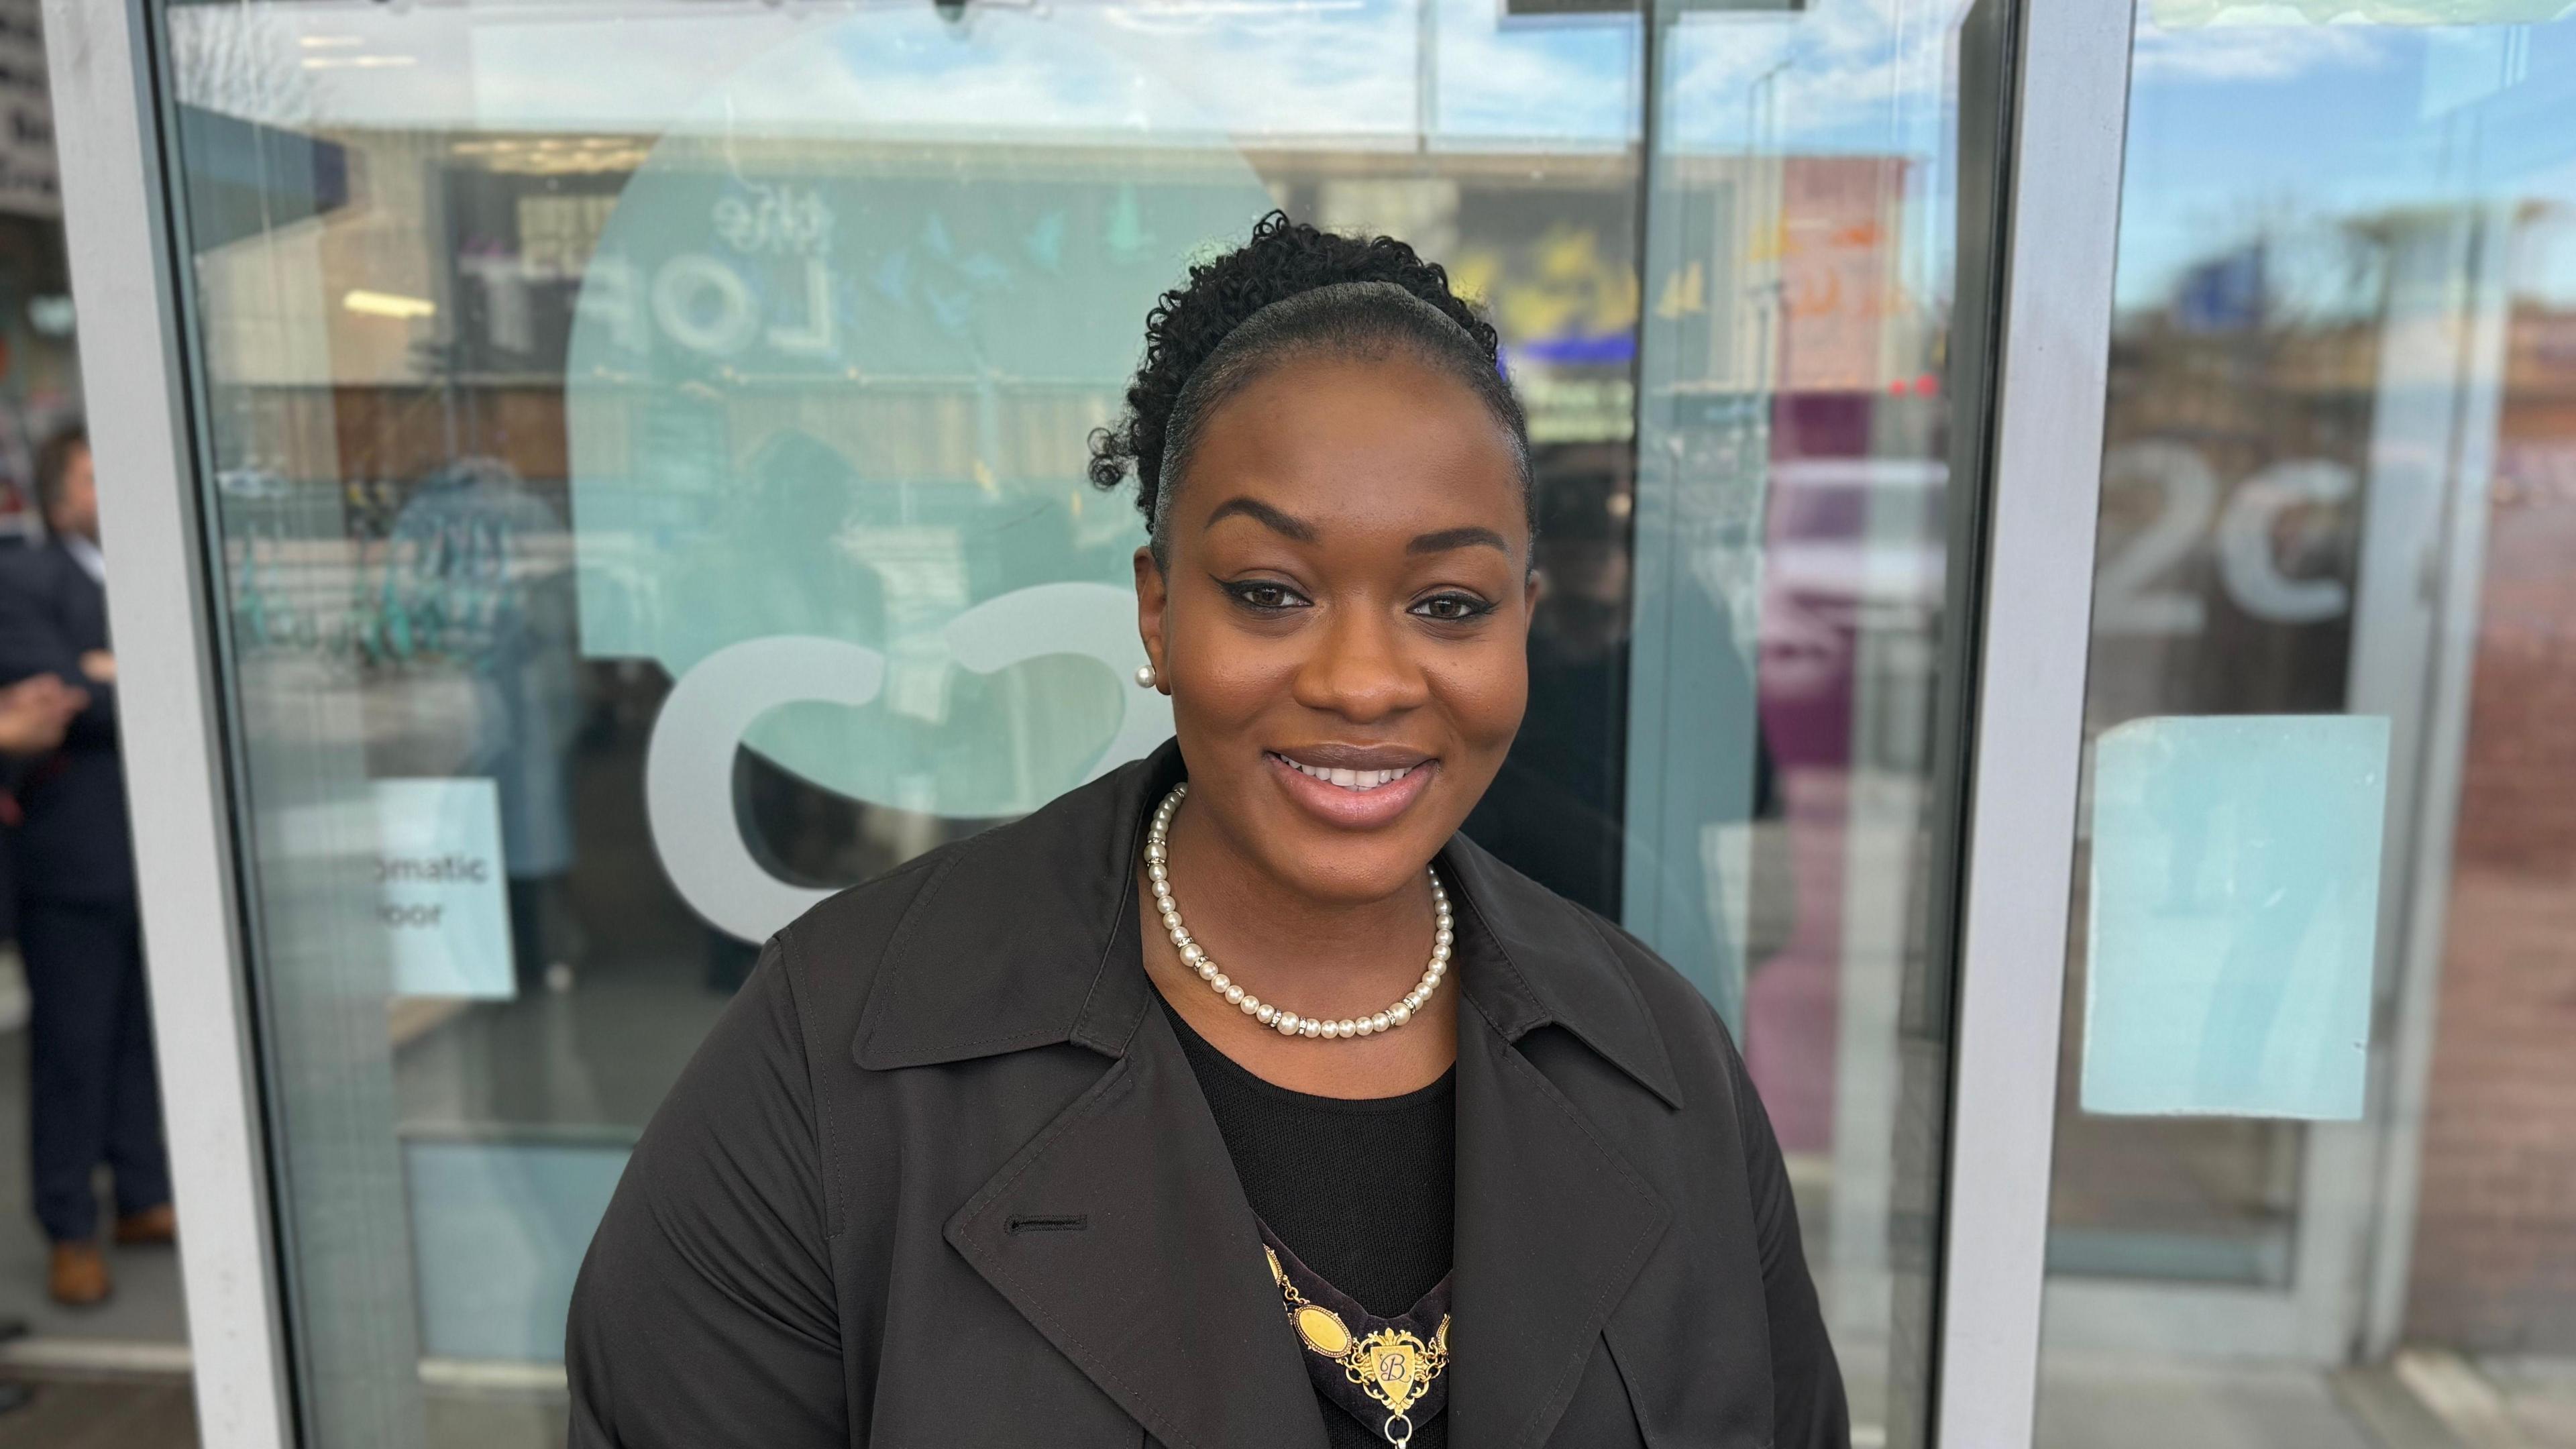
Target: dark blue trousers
<point>94,1095</point>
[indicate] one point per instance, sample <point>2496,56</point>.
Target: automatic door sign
<point>441,892</point>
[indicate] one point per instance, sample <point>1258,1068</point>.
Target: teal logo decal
<point>835,358</point>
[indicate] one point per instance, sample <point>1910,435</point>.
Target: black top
<point>1358,1189</point>
<point>942,1175</point>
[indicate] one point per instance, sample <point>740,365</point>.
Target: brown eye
<point>1265,596</point>
<point>1453,608</point>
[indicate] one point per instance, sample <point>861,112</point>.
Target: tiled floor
<point>2126,1402</point>
<point>2542,1398</point>
<point>104,1413</point>
<point>143,1321</point>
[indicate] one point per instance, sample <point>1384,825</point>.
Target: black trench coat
<point>942,1179</point>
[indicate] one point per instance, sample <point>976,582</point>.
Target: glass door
<point>2340,252</point>
<point>613,415</point>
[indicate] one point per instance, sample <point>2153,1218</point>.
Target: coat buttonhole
<point>1057,1223</point>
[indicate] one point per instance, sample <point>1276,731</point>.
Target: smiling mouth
<point>1355,781</point>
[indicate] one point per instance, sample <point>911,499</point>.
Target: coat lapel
<point>1553,1224</point>
<point>1122,1233</point>
<point>1552,1228</point>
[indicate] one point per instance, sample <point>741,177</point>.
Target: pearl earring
<point>1145,676</point>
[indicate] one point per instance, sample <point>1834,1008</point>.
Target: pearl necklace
<point>1287,1023</point>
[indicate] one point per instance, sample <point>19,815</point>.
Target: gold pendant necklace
<point>1393,1367</point>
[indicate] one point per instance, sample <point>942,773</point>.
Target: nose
<point>1360,669</point>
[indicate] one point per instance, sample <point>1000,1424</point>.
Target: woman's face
<point>1344,621</point>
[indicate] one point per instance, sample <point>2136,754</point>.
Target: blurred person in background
<point>35,713</point>
<point>93,1097</point>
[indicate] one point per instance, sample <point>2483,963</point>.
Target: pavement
<point>2445,1400</point>
<point>2422,1398</point>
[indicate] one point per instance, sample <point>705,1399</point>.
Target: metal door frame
<point>2033,643</point>
<point>118,234</point>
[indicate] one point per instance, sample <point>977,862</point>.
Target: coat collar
<point>961,979</point>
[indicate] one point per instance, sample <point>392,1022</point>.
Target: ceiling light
<point>388,304</point>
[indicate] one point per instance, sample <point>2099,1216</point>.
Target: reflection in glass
<point>1803,412</point>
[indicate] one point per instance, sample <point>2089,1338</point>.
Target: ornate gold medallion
<point>1395,1367</point>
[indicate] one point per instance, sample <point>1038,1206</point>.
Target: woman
<point>1193,1109</point>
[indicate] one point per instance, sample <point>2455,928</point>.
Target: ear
<point>1532,591</point>
<point>1153,592</point>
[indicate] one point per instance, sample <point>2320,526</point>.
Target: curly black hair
<point>1290,290</point>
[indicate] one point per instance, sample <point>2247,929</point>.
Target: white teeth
<point>1351,779</point>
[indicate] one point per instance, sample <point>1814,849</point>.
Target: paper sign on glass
<point>2235,905</point>
<point>442,897</point>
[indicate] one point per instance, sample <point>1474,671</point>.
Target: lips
<point>1352,787</point>
<point>1345,778</point>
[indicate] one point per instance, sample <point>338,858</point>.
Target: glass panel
<point>2341,264</point>
<point>622,419</point>
<point>571,418</point>
<point>1809,421</point>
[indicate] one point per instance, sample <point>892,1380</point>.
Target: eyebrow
<point>1299,529</point>
<point>1449,538</point>
<point>1262,513</point>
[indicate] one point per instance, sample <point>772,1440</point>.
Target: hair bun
<point>1282,259</point>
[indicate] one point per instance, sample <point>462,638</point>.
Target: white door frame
<point>2034,638</point>
<point>170,717</point>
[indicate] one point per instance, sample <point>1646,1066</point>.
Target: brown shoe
<point>152,1225</point>
<point>79,1275</point>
